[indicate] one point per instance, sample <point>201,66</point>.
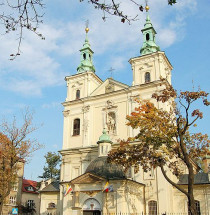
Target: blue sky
<point>36,78</point>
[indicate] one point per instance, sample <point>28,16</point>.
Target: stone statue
<point>111,122</point>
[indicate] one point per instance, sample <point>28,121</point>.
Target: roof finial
<point>111,71</point>
<point>146,7</point>
<point>86,26</point>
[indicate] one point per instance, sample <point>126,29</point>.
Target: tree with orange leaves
<point>15,147</point>
<point>164,139</point>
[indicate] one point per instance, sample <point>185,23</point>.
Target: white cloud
<point>34,69</point>
<point>51,105</point>
<point>39,65</point>
<point>118,63</point>
<point>166,37</point>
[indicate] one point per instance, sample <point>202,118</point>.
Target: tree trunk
<point>191,200</point>
<point>191,205</point>
<point>1,205</point>
<point>190,196</point>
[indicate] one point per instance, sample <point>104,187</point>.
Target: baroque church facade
<point>94,119</point>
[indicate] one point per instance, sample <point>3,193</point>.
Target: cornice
<point>152,55</point>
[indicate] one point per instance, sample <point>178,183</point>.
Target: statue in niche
<point>111,123</point>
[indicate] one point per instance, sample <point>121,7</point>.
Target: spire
<point>86,63</point>
<point>149,45</point>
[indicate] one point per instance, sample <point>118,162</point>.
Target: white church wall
<point>201,193</point>
<point>49,197</point>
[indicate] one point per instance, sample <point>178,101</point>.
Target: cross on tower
<point>86,23</point>
<point>111,71</point>
<point>86,27</point>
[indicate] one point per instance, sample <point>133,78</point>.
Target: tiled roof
<point>200,178</point>
<point>29,184</point>
<point>52,187</point>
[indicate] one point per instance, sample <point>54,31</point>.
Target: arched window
<point>78,94</point>
<point>84,56</point>
<point>90,57</point>
<point>76,127</point>
<point>197,206</point>
<point>147,77</point>
<point>51,205</point>
<point>147,36</point>
<point>152,205</point>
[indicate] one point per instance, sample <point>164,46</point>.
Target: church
<point>94,119</point>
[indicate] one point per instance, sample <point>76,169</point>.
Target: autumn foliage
<point>164,137</point>
<point>15,147</point>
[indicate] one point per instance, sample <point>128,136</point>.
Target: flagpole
<point>106,204</point>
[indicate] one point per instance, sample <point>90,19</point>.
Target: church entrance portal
<point>91,207</point>
<point>91,212</point>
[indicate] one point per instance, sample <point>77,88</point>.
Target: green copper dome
<point>104,138</point>
<point>101,167</point>
<point>86,63</point>
<point>149,45</point>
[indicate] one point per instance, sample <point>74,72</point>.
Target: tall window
<point>152,207</point>
<point>30,204</point>
<point>147,77</point>
<point>78,94</point>
<point>197,206</point>
<point>84,56</point>
<point>147,36</point>
<point>12,200</point>
<point>76,127</point>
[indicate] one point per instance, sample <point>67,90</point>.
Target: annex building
<point>94,119</point>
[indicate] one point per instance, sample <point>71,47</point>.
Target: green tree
<point>164,139</point>
<point>52,169</point>
<point>15,147</point>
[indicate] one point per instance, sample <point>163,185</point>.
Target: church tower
<point>86,63</point>
<point>76,106</point>
<point>149,44</point>
<point>153,63</point>
<point>84,82</point>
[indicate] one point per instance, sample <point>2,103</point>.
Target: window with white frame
<point>30,188</point>
<point>197,206</point>
<point>78,94</point>
<point>147,77</point>
<point>30,204</point>
<point>152,205</point>
<point>12,200</point>
<point>15,187</point>
<point>76,127</point>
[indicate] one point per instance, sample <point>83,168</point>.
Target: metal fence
<point>142,213</point>
<point>119,213</point>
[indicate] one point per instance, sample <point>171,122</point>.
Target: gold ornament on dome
<point>147,8</point>
<point>87,29</point>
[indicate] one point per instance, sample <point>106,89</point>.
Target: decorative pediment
<point>87,178</point>
<point>108,86</point>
